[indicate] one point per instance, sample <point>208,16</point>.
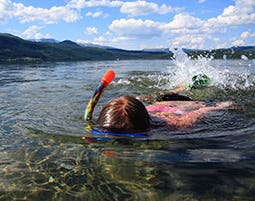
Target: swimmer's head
<point>124,114</point>
<point>200,81</point>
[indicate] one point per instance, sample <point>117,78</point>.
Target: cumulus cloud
<point>48,16</point>
<point>126,42</point>
<point>80,41</point>
<point>243,12</point>
<point>97,14</point>
<point>247,34</point>
<point>91,30</point>
<point>221,45</point>
<point>25,14</point>
<point>144,8</point>
<point>186,29</point>
<point>184,24</point>
<point>6,8</point>
<point>140,7</point>
<point>136,28</point>
<point>195,42</point>
<point>183,29</point>
<point>79,4</point>
<point>238,42</point>
<point>101,40</point>
<point>32,33</point>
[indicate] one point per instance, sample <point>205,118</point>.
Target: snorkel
<point>105,81</point>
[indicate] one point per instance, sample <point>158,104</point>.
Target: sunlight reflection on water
<point>43,155</point>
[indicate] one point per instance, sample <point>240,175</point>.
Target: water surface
<point>44,155</point>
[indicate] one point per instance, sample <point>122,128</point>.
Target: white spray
<point>184,68</point>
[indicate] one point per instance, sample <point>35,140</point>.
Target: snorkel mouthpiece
<point>105,81</point>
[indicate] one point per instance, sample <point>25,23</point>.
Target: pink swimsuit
<point>161,108</point>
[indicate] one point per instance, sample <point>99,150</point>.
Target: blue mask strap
<point>135,135</point>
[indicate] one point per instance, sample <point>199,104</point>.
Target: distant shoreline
<point>17,50</point>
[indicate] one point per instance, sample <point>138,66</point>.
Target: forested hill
<point>15,49</point>
<point>238,52</point>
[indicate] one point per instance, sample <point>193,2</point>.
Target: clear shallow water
<point>44,156</point>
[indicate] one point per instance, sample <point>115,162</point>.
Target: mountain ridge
<point>16,49</point>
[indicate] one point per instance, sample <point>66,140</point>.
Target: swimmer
<point>199,81</point>
<point>127,114</point>
<point>124,114</point>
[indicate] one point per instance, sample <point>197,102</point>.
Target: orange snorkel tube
<point>105,81</point>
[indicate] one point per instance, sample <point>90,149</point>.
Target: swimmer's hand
<point>180,89</point>
<point>224,104</point>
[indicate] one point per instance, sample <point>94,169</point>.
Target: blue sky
<point>134,24</point>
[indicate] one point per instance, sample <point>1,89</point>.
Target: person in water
<point>123,115</point>
<point>126,114</point>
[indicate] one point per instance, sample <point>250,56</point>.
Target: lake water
<point>44,155</point>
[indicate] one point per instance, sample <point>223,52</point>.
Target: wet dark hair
<point>173,97</point>
<point>124,114</point>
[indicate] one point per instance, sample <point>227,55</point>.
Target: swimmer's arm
<point>150,97</point>
<point>191,117</point>
<point>178,89</point>
<point>218,106</point>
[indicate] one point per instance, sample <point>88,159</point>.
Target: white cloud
<point>183,23</point>
<point>243,12</point>
<point>247,34</point>
<point>121,39</point>
<point>25,14</point>
<point>140,7</point>
<point>184,29</point>
<point>144,8</point>
<point>238,42</point>
<point>79,4</point>
<point>108,33</point>
<point>252,35</point>
<point>117,41</point>
<point>97,14</point>
<point>48,16</point>
<point>80,41</point>
<point>91,30</point>
<point>136,28</point>
<point>221,45</point>
<point>32,33</point>
<point>101,40</point>
<point>193,42</point>
<point>6,8</point>
<point>197,40</point>
<point>216,39</point>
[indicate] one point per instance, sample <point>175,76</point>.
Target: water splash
<point>184,68</point>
